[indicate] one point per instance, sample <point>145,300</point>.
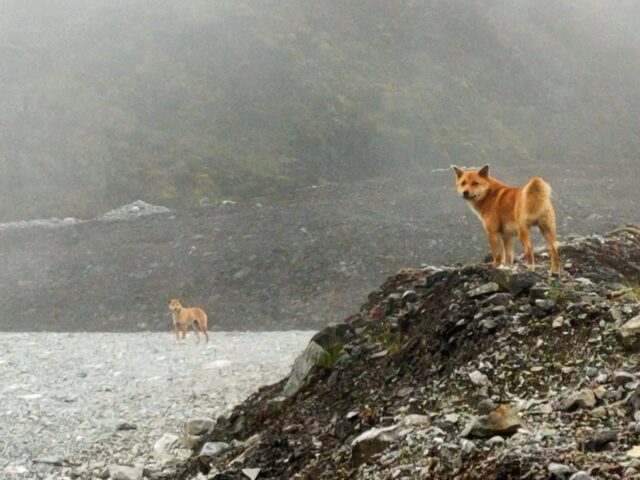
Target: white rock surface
<point>63,395</point>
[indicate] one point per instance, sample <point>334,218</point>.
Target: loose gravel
<point>74,402</point>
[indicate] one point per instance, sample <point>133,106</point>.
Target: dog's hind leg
<point>525,239</point>
<point>195,329</point>
<point>202,323</point>
<point>508,250</point>
<point>203,327</point>
<point>547,225</point>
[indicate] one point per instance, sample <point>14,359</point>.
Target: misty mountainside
<point>105,102</point>
<point>260,265</point>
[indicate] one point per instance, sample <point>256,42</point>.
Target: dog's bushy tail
<point>536,195</point>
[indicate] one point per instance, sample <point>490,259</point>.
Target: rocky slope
<point>259,265</point>
<point>466,372</point>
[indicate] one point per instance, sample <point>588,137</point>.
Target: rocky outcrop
<point>502,388</point>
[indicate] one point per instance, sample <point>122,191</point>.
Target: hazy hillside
<point>108,101</point>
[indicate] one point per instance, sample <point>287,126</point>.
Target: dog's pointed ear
<point>458,170</point>
<point>484,171</point>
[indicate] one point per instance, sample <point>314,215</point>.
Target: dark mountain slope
<point>105,102</point>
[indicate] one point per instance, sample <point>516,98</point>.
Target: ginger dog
<point>509,211</point>
<point>184,317</point>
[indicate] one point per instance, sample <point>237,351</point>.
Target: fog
<point>331,126</point>
<point>105,102</point>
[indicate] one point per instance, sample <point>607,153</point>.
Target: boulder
<point>630,334</point>
<point>302,366</point>
<point>318,345</point>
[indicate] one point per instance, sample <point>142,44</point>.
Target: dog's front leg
<point>175,330</point>
<point>495,242</point>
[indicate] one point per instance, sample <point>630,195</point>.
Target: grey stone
<point>495,441</point>
<point>162,449</point>
<point>251,473</point>
<point>479,379</point>
<point>630,333</point>
<point>581,399</point>
<point>581,475</point>
<point>502,421</point>
<point>521,282</point>
<point>545,304</point>
<point>123,426</point>
<point>500,299</point>
<point>211,449</point>
<point>620,379</point>
<point>302,367</point>
<point>409,296</point>
<point>376,440</point>
<point>123,472</point>
<point>486,406</point>
<point>560,470</point>
<point>485,289</point>
<point>199,426</point>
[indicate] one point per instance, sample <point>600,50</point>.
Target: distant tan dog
<point>507,212</point>
<point>184,317</point>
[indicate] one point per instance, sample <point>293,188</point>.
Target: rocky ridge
<point>466,372</point>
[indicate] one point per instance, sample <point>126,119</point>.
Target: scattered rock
<point>199,426</point>
<point>164,445</point>
<point>123,472</point>
<point>376,440</point>
<point>580,475</point>
<point>486,406</point>
<point>251,473</point>
<point>485,289</point>
<point>630,334</point>
<point>545,304</point>
<point>409,296</point>
<point>54,460</point>
<point>620,379</point>
<point>479,379</point>
<point>521,283</point>
<point>580,399</point>
<point>124,426</point>
<point>211,449</point>
<point>499,299</point>
<point>558,470</point>
<point>302,367</point>
<point>504,420</point>
<point>601,440</point>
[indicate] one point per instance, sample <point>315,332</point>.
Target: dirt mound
<point>466,372</point>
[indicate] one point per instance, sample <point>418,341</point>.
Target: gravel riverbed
<point>73,403</point>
